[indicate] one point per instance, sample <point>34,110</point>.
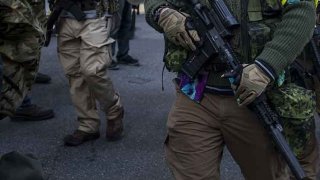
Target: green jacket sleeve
<point>291,35</point>
<point>150,7</point>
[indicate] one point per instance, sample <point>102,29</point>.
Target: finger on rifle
<point>194,35</point>
<point>175,40</point>
<point>246,98</point>
<point>240,92</point>
<point>180,41</point>
<point>188,41</point>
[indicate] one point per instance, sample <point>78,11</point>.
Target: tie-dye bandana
<point>193,88</point>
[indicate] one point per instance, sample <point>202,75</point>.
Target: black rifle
<point>213,27</point>
<point>209,26</point>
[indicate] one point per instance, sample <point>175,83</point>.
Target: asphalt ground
<point>139,156</point>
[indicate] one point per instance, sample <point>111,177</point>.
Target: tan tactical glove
<point>174,26</point>
<point>253,82</point>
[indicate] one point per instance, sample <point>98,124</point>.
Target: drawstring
<point>162,86</point>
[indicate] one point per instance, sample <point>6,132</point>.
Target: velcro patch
<point>293,1</point>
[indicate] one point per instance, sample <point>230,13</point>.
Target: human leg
<point>31,112</point>
<point>309,158</point>
<point>94,59</point>
<point>20,64</point>
<point>198,132</point>
<point>194,142</point>
<point>123,37</point>
<point>249,143</point>
<point>82,97</point>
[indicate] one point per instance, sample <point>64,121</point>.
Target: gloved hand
<point>253,82</point>
<point>174,26</point>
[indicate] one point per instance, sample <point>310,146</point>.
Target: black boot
<point>128,60</point>
<point>113,66</point>
<point>42,78</point>
<point>33,113</point>
<point>115,127</point>
<point>79,137</point>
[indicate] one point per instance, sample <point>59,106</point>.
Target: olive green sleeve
<point>150,7</point>
<point>291,35</point>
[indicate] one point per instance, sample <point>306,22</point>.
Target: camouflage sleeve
<point>19,17</point>
<point>291,35</point>
<point>39,10</point>
<point>151,6</point>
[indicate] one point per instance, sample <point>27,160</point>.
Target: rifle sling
<point>244,39</point>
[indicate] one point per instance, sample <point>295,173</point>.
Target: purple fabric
<point>193,88</point>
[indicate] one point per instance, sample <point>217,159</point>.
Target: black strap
<point>1,74</point>
<point>162,86</point>
<point>73,8</point>
<point>244,39</point>
<point>50,23</point>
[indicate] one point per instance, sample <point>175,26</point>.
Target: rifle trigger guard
<point>189,24</point>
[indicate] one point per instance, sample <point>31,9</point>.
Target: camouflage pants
<point>21,34</point>
<point>20,64</point>
<point>296,106</point>
<point>309,157</point>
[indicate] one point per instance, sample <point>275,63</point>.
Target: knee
<point>94,70</point>
<point>69,73</point>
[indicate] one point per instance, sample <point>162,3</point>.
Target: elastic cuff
<point>266,68</point>
<point>156,12</point>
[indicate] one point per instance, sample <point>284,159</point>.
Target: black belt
<point>219,90</point>
<point>217,67</point>
<point>88,6</point>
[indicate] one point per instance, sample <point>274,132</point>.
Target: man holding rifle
<point>208,113</point>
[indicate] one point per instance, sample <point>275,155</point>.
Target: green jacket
<point>293,30</point>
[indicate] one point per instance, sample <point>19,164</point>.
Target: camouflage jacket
<point>289,31</point>
<point>21,34</point>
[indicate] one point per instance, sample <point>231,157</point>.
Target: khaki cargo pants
<point>198,133</point>
<point>84,52</point>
